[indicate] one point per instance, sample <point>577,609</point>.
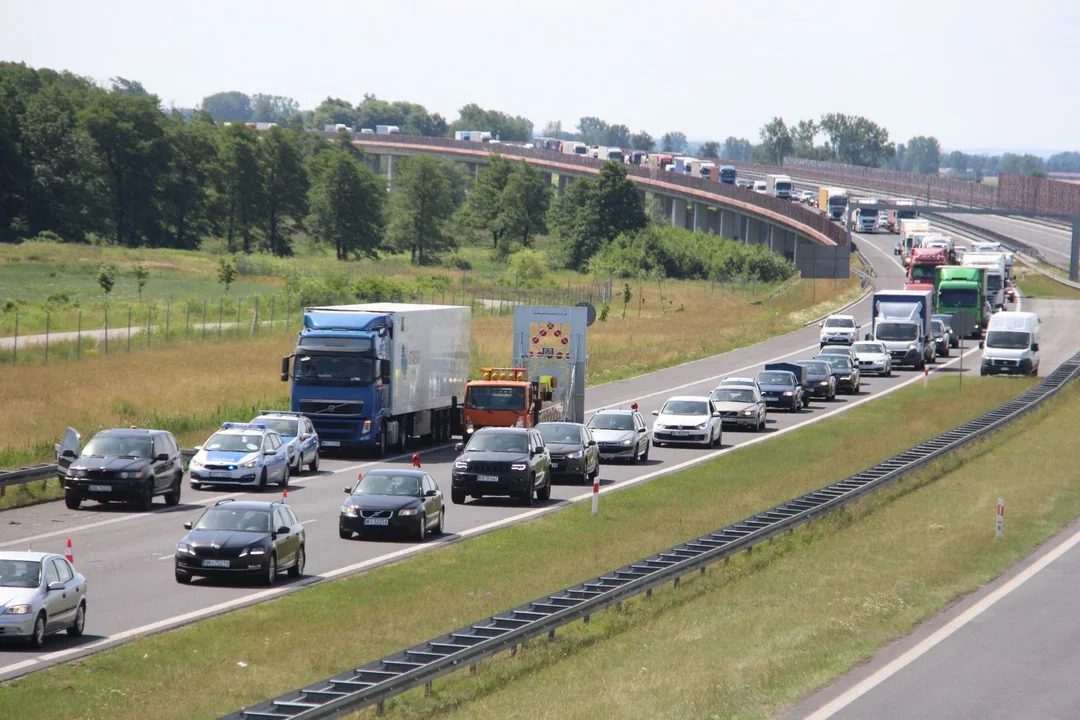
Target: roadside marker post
<point>1000,519</point>
<point>596,495</point>
<point>926,377</point>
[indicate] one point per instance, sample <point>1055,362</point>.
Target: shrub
<point>457,261</point>
<point>527,267</point>
<point>46,236</point>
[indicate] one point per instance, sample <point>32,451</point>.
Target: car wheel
<point>37,636</point>
<point>77,627</point>
<point>182,578</point>
<point>270,577</point>
<point>313,466</point>
<point>285,477</point>
<point>421,533</point>
<point>297,570</point>
<point>146,499</point>
<point>262,481</point>
<point>544,493</point>
<point>196,486</point>
<point>344,534</point>
<point>72,501</point>
<point>173,496</point>
<point>296,469</point>
<point>636,458</point>
<point>529,493</point>
<point>440,528</point>
<point>457,496</point>
<point>644,456</point>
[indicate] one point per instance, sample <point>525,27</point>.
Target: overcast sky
<point>974,73</point>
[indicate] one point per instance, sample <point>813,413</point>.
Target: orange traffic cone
<point>285,496</point>
<point>68,555</point>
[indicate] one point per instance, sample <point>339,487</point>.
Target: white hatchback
<point>687,419</point>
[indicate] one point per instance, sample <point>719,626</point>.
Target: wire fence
<point>45,335</point>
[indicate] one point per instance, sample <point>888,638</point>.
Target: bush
<point>457,261</point>
<point>527,267</point>
<point>322,289</point>
<point>46,236</point>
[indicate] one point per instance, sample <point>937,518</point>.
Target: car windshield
<point>495,397</point>
<point>896,331</point>
<point>498,442</point>
<point>951,298</point>
<point>20,573</point>
<point>734,395</point>
<point>840,323</point>
<point>117,446</point>
<point>347,368</point>
<point>817,368</point>
<point>380,484</point>
<point>282,426</point>
<point>835,350</point>
<point>685,407</point>
<point>559,433</point>
<point>837,362</point>
<point>1008,340</point>
<point>869,348</point>
<point>939,327</point>
<point>993,283</point>
<point>235,519</point>
<point>776,378</point>
<point>612,421</point>
<point>233,442</point>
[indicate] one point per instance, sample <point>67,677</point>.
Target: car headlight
<point>194,464</point>
<point>823,382</point>
<point>77,473</point>
<point>519,466</point>
<point>253,551</point>
<point>185,549</point>
<point>912,346</point>
<point>461,464</point>
<point>575,455</point>
<point>19,610</point>
<point>408,512</point>
<point>788,393</point>
<point>131,475</point>
<point>748,413</point>
<point>349,510</point>
<point>702,426</point>
<point>659,426</point>
<point>251,463</point>
<point>627,442</point>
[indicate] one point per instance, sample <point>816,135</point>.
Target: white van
<point>760,186</point>
<point>1011,346</point>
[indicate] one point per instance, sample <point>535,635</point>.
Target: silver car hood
<point>732,406</point>
<point>17,596</point>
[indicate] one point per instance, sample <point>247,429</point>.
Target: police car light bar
<point>242,426</point>
<point>281,412</point>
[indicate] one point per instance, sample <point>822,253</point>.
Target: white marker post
<point>926,377</point>
<point>1000,518</point>
<point>596,495</point>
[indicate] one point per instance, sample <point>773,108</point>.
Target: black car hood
<point>777,388</point>
<point>382,502</point>
<point>225,538</point>
<point>814,377</point>
<point>564,448</point>
<point>108,464</point>
<point>503,457</point>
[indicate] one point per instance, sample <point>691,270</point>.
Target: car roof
<point>613,411</point>
<point>244,429</point>
<point>246,504</point>
<point>408,472</point>
<point>129,432</point>
<point>30,555</point>
<point>703,398</point>
<point>846,349</point>
<point>501,431</point>
<point>840,317</point>
<point>559,422</point>
<point>278,415</point>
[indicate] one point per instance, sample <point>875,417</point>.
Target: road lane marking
<point>943,633</point>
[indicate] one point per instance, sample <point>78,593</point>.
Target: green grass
<point>1035,285</point>
<point>299,639</point>
<point>33,493</point>
<point>753,637</point>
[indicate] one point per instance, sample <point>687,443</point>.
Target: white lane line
<point>941,634</point>
<point>477,530</point>
<point>308,522</point>
<point>206,501</point>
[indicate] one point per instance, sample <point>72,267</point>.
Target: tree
<point>594,212</point>
<point>347,205</point>
<point>1021,164</point>
<point>554,129</point>
<point>674,142</point>
<point>642,141</point>
<point>591,129</point>
<point>1064,162</point>
<point>956,160</point>
<point>617,136</point>
<point>856,140</point>
<point>226,272</point>
<point>523,204</point>
<point>627,296</point>
<point>484,203</point>
<point>499,124</point>
<point>241,185</point>
<point>286,188</point>
<point>922,155</point>
<point>619,207</point>
<point>128,87</point>
<point>106,278</point>
<point>233,106</point>
<point>710,149</point>
<point>142,274</point>
<point>128,137</point>
<point>332,111</point>
<point>187,211</point>
<point>420,205</point>
<point>272,108</point>
<point>413,119</point>
<point>737,150</point>
<point>776,141</point>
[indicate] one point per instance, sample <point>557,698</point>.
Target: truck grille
<point>331,407</point>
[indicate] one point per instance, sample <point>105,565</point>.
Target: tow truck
<point>505,397</point>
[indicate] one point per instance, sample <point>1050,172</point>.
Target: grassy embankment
<point>1036,285</point>
<point>402,604</point>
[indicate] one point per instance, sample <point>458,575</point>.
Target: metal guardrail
<point>42,473</point>
<point>421,664</point>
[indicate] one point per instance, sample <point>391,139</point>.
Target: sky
<point>973,73</point>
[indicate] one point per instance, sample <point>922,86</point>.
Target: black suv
<point>126,465</point>
<point>253,539</point>
<point>502,461</point>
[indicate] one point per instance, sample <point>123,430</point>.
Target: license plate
<point>215,563</point>
<point>679,433</point>
<point>555,465</point>
<point>219,474</point>
<point>100,488</point>
<point>487,478</point>
<point>330,443</point>
<point>607,456</point>
<point>377,521</point>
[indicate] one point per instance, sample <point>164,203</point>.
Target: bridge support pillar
<point>390,171</point>
<point>701,217</point>
<point>669,204</point>
<point>728,224</point>
<point>373,162</point>
<point>549,178</point>
<point>678,212</point>
<point>564,180</point>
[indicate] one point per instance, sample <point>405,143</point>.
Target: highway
<point>1054,243</point>
<point>128,556</point>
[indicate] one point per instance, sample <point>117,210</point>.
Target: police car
<point>299,436</point>
<point>241,454</point>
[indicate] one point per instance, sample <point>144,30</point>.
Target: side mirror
<point>656,412</point>
<point>69,454</point>
<point>591,443</point>
<point>348,490</point>
<point>55,586</point>
<point>285,368</point>
<point>1035,347</point>
<point>431,493</point>
<point>821,324</point>
<point>269,452</point>
<point>716,415</point>
<point>641,430</point>
<point>982,344</point>
<point>460,447</point>
<point>198,448</point>
<point>866,337</point>
<point>161,457</point>
<point>187,525</point>
<point>283,530</point>
<point>305,436</point>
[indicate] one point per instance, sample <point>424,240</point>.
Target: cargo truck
<point>379,375</point>
<point>728,174</point>
<point>779,186</point>
<point>904,213</point>
<point>901,322</point>
<point>832,201</point>
<point>922,270</point>
<point>507,397</point>
<point>472,135</point>
<point>387,130</point>
<point>867,221</point>
<point>994,264</point>
<point>572,147</point>
<point>682,164</point>
<point>912,231</point>
<point>659,162</point>
<point>962,290</point>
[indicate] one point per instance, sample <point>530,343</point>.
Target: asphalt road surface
<point>127,556</point>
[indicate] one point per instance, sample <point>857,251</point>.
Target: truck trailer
<point>378,375</point>
<point>779,186</point>
<point>901,322</point>
<point>994,264</point>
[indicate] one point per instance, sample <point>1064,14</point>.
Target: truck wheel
<point>380,444</point>
<point>457,496</point>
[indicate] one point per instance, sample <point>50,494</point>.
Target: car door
<point>642,440</point>
<point>432,503</point>
<point>158,449</point>
<point>284,542</point>
<point>297,531</point>
<point>592,454</point>
<point>543,462</point>
<point>69,597</point>
<point>55,600</point>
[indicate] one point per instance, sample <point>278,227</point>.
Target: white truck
<point>989,246</point>
<point>912,231</point>
<point>387,130</point>
<point>994,264</point>
<point>473,135</point>
<point>779,186</point>
<point>572,147</point>
<point>867,218</point>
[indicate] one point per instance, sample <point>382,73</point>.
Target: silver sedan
<point>40,594</point>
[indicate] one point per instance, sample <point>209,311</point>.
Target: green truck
<point>963,290</point>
